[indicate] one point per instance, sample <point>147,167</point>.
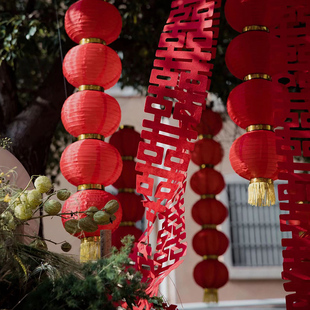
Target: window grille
<point>254,231</point>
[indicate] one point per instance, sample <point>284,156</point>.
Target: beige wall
<point>184,289</point>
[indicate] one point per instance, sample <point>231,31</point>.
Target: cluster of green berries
<point>93,218</point>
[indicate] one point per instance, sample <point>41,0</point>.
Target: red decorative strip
<point>293,142</point>
<point>178,86</point>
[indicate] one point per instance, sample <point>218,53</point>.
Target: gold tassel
<point>261,192</point>
<point>90,249</point>
<point>210,295</point>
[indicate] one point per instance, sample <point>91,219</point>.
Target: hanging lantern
<point>90,161</point>
<point>80,206</point>
<point>126,141</point>
<point>207,151</point>
<point>210,243</point>
<point>255,56</point>
<point>92,66</point>
<point>241,14</point>
<point>211,274</point>
<point>210,124</point>
<point>209,211</point>
<point>208,182</point>
<point>91,111</point>
<point>93,19</point>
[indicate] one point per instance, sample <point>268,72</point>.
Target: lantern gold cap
<point>90,186</point>
<point>92,40</point>
<point>91,87</point>
<point>259,127</point>
<point>91,136</point>
<point>255,28</point>
<point>126,127</point>
<point>257,76</point>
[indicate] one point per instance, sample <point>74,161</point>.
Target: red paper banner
<point>178,86</point>
<point>293,142</point>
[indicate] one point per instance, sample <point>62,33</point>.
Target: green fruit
<point>52,207</point>
<point>91,211</point>
<point>43,184</point>
<point>39,244</point>
<point>71,226</point>
<point>63,194</point>
<point>66,247</point>
<point>102,218</point>
<point>23,212</point>
<point>111,207</point>
<point>34,198</point>
<point>87,224</point>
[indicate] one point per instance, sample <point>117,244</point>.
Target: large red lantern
<point>123,231</point>
<point>133,209</point>
<point>91,111</point>
<point>92,64</point>
<point>91,161</point>
<point>93,19</point>
<point>211,274</point>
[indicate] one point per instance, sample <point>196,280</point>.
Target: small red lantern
<point>209,212</point>
<point>91,161</point>
<point>207,151</point>
<point>92,64</point>
<point>91,111</point>
<point>253,102</point>
<point>93,19</point>
<point>210,242</point>
<point>211,274</point>
<point>127,178</point>
<point>123,231</point>
<point>207,181</point>
<point>210,124</point>
<point>240,14</point>
<point>126,141</point>
<point>255,52</point>
<point>133,209</point>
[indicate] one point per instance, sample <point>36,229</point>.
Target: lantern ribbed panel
<point>92,64</point>
<point>240,14</point>
<point>91,115</point>
<point>255,52</point>
<point>209,212</point>
<point>91,162</point>
<point>256,56</point>
<point>91,112</point>
<point>93,19</point>
<point>81,201</point>
<point>126,141</point>
<point>253,155</point>
<point>253,102</point>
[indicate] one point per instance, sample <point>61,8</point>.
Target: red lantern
<point>209,212</point>
<point>253,102</point>
<point>133,209</point>
<point>92,64</point>
<point>91,161</point>
<point>91,112</point>
<point>211,274</point>
<point>207,151</point>
<point>210,242</point>
<point>240,14</point>
<point>253,155</point>
<point>255,52</point>
<point>126,141</point>
<point>93,19</point>
<point>127,178</point>
<point>123,231</point>
<point>207,181</point>
<point>81,201</point>
<point>210,124</point>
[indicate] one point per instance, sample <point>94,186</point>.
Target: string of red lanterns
<point>255,56</point>
<point>210,243</point>
<point>126,141</point>
<point>91,115</point>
